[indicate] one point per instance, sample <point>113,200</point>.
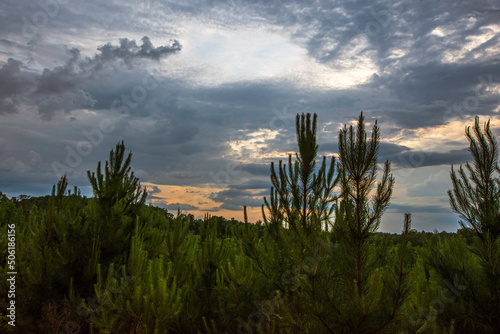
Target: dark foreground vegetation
<point>316,264</point>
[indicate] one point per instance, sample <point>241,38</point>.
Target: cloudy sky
<point>205,93</point>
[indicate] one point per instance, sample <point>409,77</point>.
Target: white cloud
<point>254,147</point>
<point>217,55</point>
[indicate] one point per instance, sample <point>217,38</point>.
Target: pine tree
<point>142,296</point>
<point>118,197</point>
<point>57,257</point>
<point>59,190</point>
<point>476,197</point>
<point>334,281</point>
<point>375,282</point>
<point>360,214</point>
<point>301,195</point>
<point>473,275</point>
<point>118,183</point>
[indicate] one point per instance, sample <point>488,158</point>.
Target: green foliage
<point>476,196</point>
<point>359,214</point>
<point>118,198</point>
<point>334,280</point>
<point>299,193</point>
<point>468,283</point>
<point>372,281</point>
<point>145,298</point>
<point>111,264</point>
<point>473,263</point>
<point>117,185</point>
<point>55,253</point>
<point>10,214</point>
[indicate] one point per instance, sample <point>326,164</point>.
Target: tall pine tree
<point>375,283</point>
<point>360,213</point>
<point>118,197</point>
<point>473,276</point>
<point>300,194</point>
<point>118,183</point>
<point>476,196</point>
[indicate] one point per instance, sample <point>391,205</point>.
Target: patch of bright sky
<point>241,53</point>
<point>431,139</point>
<point>425,187</point>
<point>488,33</point>
<point>438,32</point>
<point>214,55</point>
<point>397,53</point>
<point>254,148</point>
<point>436,185</point>
<point>352,67</point>
<point>200,198</point>
<point>194,196</point>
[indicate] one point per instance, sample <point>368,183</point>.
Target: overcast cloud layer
<point>205,93</point>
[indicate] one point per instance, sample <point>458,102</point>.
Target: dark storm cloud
<point>128,50</point>
<point>181,123</point>
<point>435,93</point>
<point>7,107</point>
<point>152,190</point>
<point>197,123</point>
<point>255,169</point>
<point>416,116</point>
<point>61,78</point>
<point>190,148</point>
<point>65,101</point>
<point>429,82</point>
<point>235,199</point>
<point>14,80</point>
<point>62,88</point>
<point>424,87</point>
<point>403,156</point>
<point>15,83</point>
<point>386,150</point>
<point>414,159</point>
<point>176,206</point>
<point>254,183</point>
<point>412,208</point>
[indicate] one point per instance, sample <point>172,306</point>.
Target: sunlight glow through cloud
<point>213,56</point>
<point>253,147</point>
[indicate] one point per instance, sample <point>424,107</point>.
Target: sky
<point>205,93</point>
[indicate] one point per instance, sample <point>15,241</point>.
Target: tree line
<point>316,263</point>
